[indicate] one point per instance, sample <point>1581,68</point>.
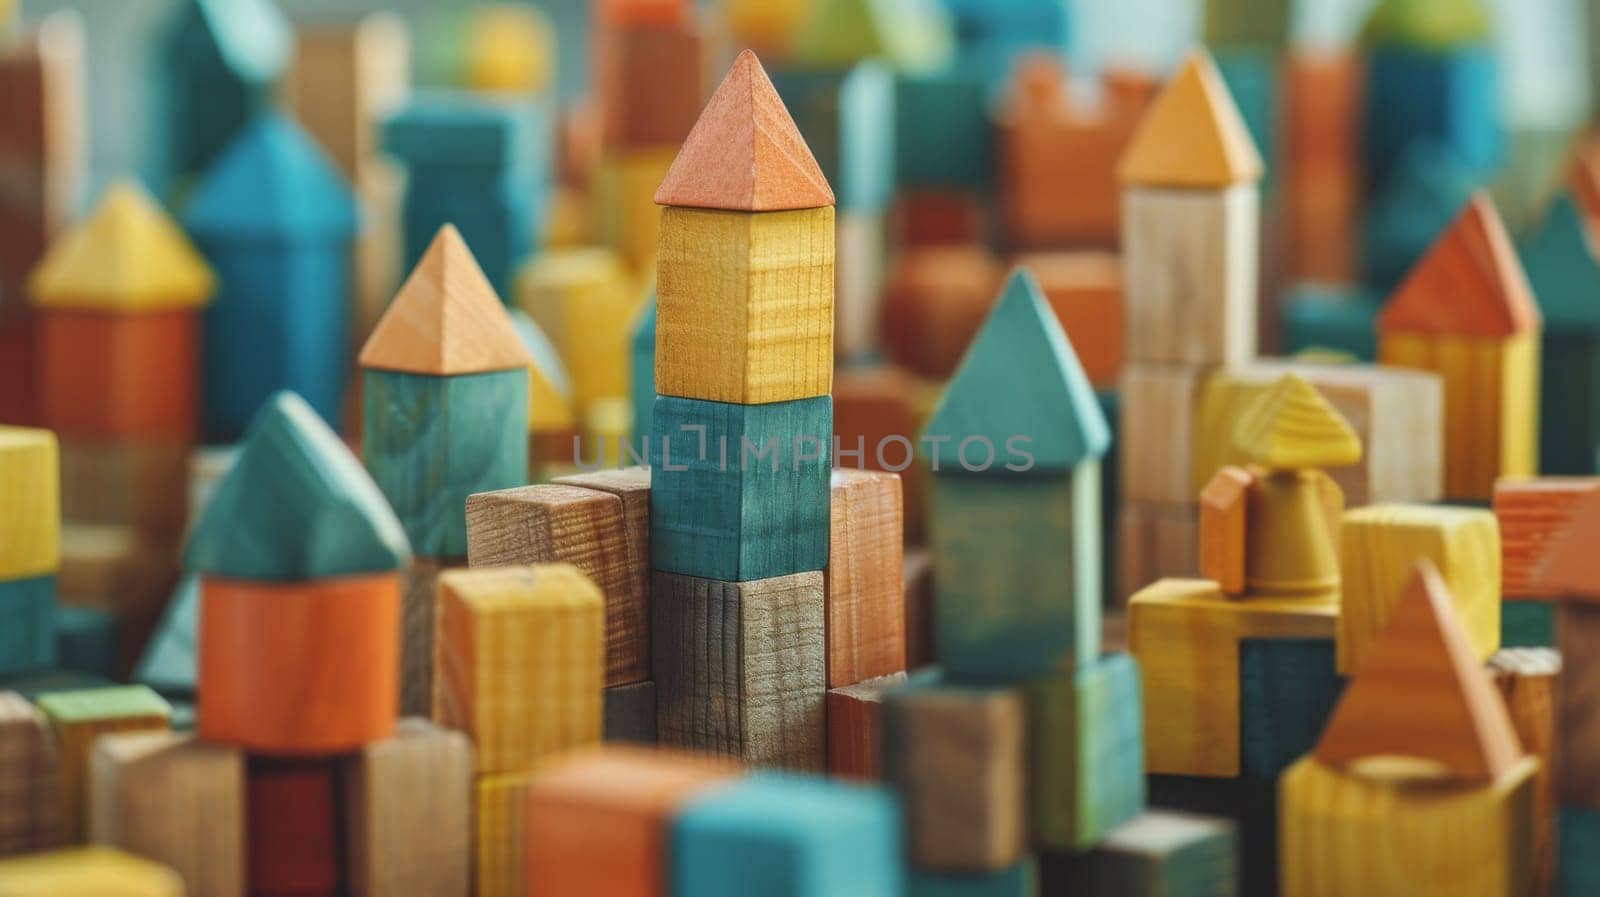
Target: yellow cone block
<point>87,872</point>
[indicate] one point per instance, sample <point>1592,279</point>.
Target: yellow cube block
<point>744,305</point>
<point>1379,549</point>
<point>519,661</point>
<point>626,214</point>
<point>501,808</point>
<point>87,872</point>
<point>30,503</point>
<point>1344,833</point>
<point>585,302</point>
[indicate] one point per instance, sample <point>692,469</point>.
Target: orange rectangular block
<point>1084,289</point>
<point>863,583</point>
<point>1224,523</point>
<point>119,375</point>
<point>1531,513</point>
<point>853,725</point>
<point>872,414</point>
<point>650,77</point>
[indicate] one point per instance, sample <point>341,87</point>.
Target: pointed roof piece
<point>1421,693</point>
<point>272,183</point>
<point>446,319</point>
<point>1293,426</point>
<point>745,153</point>
<point>1571,566</point>
<point>126,256</point>
<point>1192,135</point>
<point>295,505</point>
<point>1019,378</point>
<point>1468,284</point>
<point>1563,270</point>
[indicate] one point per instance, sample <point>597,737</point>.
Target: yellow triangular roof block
<point>1292,426</point>
<point>128,255</point>
<point>1192,135</point>
<point>446,319</point>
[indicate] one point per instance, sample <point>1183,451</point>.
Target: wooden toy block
<point>753,324</point>
<point>859,268</point>
<point>1185,635</point>
<point>864,582</point>
<point>81,871</point>
<point>787,837</point>
<point>1529,681</point>
<point>1287,689</point>
<point>854,713</point>
<point>1379,548</point>
<point>1084,290</point>
<point>1155,854</point>
<point>345,78</point>
<point>30,528</point>
<point>86,640</point>
<point>1483,342</point>
<point>501,813</point>
<point>292,816</point>
<point>1155,541</point>
<point>419,587</point>
<point>407,806</point>
<point>170,661</point>
<point>142,484</point>
<point>28,640</point>
<point>30,788</point>
<point>301,668</point>
<point>872,414</point>
<point>760,696</point>
<point>509,51</point>
<point>295,506</point>
<point>958,756</point>
<point>175,800</point>
<point>628,219</point>
<point>628,713</point>
<point>1192,136</point>
<point>602,821</point>
<point>1429,92</point>
<point>846,116</point>
<point>79,717</point>
<point>1224,525</point>
<point>632,486</point>
<point>584,300</point>
<point>1086,766</point>
<point>1578,776</point>
<point>1018,880</point>
<point>519,661</point>
<point>583,527</point>
<point>936,297</point>
<point>740,492</point>
<point>950,110</point>
<point>1562,267</point>
<point>1250,805</point>
<point>924,219</point>
<point>1160,423</point>
<point>920,616</point>
<point>650,80</point>
<point>642,370</point>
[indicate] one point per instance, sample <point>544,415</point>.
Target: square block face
<point>745,305</point>
<point>1287,691</point>
<point>741,492</point>
<point>119,376</point>
<point>28,637</point>
<point>1088,755</point>
<point>30,512</point>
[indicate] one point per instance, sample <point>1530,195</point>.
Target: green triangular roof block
<point>168,664</point>
<point>1020,378</point>
<point>1427,24</point>
<point>295,505</point>
<point>1562,269</point>
<point>912,35</point>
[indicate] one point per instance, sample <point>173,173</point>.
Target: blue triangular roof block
<point>296,505</point>
<point>272,182</point>
<point>1019,378</point>
<point>1560,260</point>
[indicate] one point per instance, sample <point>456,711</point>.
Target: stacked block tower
<point>739,503</point>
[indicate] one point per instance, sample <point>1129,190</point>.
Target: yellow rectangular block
<point>501,810</point>
<point>585,301</point>
<point>87,872</point>
<point>1491,404</point>
<point>519,661</point>
<point>1342,834</point>
<point>30,503</point>
<point>744,305</point>
<point>1379,548</point>
<point>1185,634</point>
<point>625,190</point>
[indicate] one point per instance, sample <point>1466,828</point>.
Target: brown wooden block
<point>143,484</point>
<point>872,414</point>
<point>1529,680</point>
<point>419,588</point>
<point>408,813</point>
<point>936,298</point>
<point>651,83</point>
<point>864,581</point>
<point>741,668</point>
<point>30,779</point>
<point>921,649</point>
<point>174,799</point>
<point>632,485</point>
<point>1577,631</point>
<point>583,527</point>
<point>1155,541</point>
<point>292,818</point>
<point>1532,512</point>
<point>345,78</point>
<point>854,713</point>
<point>1158,407</point>
<point>628,713</point>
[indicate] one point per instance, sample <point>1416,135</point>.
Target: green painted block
<point>913,35</point>
<point>1019,401</point>
<point>1427,24</point>
<point>944,135</point>
<point>642,374</point>
<point>1254,24</point>
<point>27,624</point>
<point>1087,736</point>
<point>111,702</point>
<point>39,682</point>
<point>1155,854</point>
<point>847,119</point>
<point>1018,880</point>
<point>432,441</point>
<point>86,640</point>
<point>295,505</point>
<point>1287,690</point>
<point>1578,873</point>
<point>740,492</point>
<point>1527,624</point>
<point>1017,574</point>
<point>168,664</point>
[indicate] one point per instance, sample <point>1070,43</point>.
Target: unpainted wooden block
<point>1087,756</point>
<point>344,78</point>
<point>864,579</point>
<point>78,718</point>
<point>1530,681</point>
<point>628,713</point>
<point>858,282</point>
<point>1155,541</point>
<point>407,805</point>
<point>854,723</point>
<point>1158,405</point>
<point>30,781</point>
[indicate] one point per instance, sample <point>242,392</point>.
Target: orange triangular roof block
<point>128,255</point>
<point>1571,565</point>
<point>1422,694</point>
<point>446,319</point>
<point>745,153</point>
<point>1192,135</point>
<point>1470,282</point>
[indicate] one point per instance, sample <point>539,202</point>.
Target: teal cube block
<point>431,441</point>
<point>27,624</point>
<point>740,492</point>
<point>1330,318</point>
<point>1578,872</point>
<point>1287,691</point>
<point>86,640</point>
<point>787,836</point>
<point>1017,880</point>
<point>944,135</point>
<point>1087,733</point>
<point>1527,624</point>
<point>168,664</point>
<point>847,118</point>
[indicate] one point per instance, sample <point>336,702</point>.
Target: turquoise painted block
<point>27,624</point>
<point>1087,734</point>
<point>1412,205</point>
<point>1527,624</point>
<point>787,836</point>
<point>1110,490</point>
<point>1578,872</point>
<point>1449,97</point>
<point>1019,880</point>
<point>740,492</point>
<point>847,118</point>
<point>500,222</point>
<point>1251,76</point>
<point>39,682</point>
<point>168,664</point>
<point>1017,575</point>
<point>86,640</point>
<point>1287,690</point>
<point>296,505</point>
<point>944,136</point>
<point>432,441</point>
<point>1317,317</point>
<point>454,129</point>
<point>1565,276</point>
<point>992,34</point>
<point>642,372</point>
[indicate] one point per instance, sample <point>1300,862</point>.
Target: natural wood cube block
<point>1157,434</point>
<point>408,813</point>
<point>1155,541</point>
<point>854,723</point>
<point>864,582</point>
<point>79,717</point>
<point>30,780</point>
